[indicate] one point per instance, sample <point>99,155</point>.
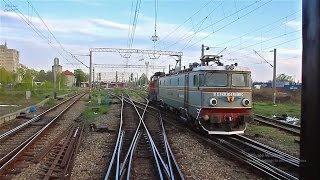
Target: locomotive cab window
<point>217,79</point>
<point>201,80</point>
<point>195,80</point>
<point>240,80</point>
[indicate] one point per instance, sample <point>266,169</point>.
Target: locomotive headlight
<point>213,102</point>
<point>205,117</point>
<point>245,102</point>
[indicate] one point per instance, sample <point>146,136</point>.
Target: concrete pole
<point>55,78</point>
<point>202,50</point>
<point>116,76</point>
<point>93,78</point>
<point>147,68</point>
<point>274,76</point>
<point>90,76</point>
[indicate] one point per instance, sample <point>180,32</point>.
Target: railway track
<point>20,145</point>
<point>142,150</point>
<point>272,162</point>
<point>290,128</point>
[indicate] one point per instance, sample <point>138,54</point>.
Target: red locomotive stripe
<point>226,110</point>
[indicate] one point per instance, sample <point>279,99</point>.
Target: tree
<point>80,77</point>
<point>143,79</point>
<point>6,76</point>
<point>284,78</point>
<point>41,76</point>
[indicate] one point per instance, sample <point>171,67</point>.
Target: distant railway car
<point>214,98</point>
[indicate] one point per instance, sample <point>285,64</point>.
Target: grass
<point>50,102</point>
<point>18,97</point>
<point>275,138</point>
<point>132,92</point>
<point>91,113</point>
<point>268,109</point>
<point>94,109</point>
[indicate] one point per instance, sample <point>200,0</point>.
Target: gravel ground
<point>97,147</point>
<point>198,161</point>
<point>64,122</point>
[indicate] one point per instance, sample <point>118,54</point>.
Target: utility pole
<point>55,64</point>
<point>203,47</point>
<point>90,76</point>
<point>147,68</point>
<point>202,50</point>
<point>93,80</point>
<point>116,76</point>
<point>274,76</point>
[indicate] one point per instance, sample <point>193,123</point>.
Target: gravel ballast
<point>200,161</point>
<point>97,147</point>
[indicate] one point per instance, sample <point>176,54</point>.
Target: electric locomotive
<point>214,97</point>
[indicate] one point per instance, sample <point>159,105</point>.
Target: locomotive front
<point>226,98</point>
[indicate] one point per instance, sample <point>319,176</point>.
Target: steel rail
<point>273,124</point>
<point>290,128</point>
<point>168,169</point>
<point>33,119</point>
<point>155,151</point>
<point>120,167</point>
<point>255,160</point>
<point>293,159</point>
<point>169,152</point>
<point>131,155</point>
<point>266,151</point>
<point>108,173</point>
<point>280,122</point>
<point>6,160</point>
<point>241,155</point>
<point>258,163</point>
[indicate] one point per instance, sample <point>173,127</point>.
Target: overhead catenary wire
<point>39,33</point>
<point>262,27</point>
<point>134,23</point>
<point>272,38</point>
<point>220,20</point>
<point>246,14</point>
<point>32,26</point>
<point>178,27</point>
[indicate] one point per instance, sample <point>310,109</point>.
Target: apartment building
<point>9,58</point>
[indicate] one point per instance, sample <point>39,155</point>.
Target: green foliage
<point>95,110</point>
<point>80,77</point>
<point>143,79</point>
<point>275,137</point>
<point>6,76</point>
<point>51,102</point>
<point>91,114</point>
<point>268,109</point>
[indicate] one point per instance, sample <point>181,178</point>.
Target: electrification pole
<point>56,63</point>
<point>202,50</point>
<point>93,80</point>
<point>274,76</point>
<point>90,76</point>
<point>147,68</point>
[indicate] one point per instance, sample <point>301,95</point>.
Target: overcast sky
<point>235,27</point>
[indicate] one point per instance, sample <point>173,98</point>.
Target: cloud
<point>110,24</point>
<point>295,24</point>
